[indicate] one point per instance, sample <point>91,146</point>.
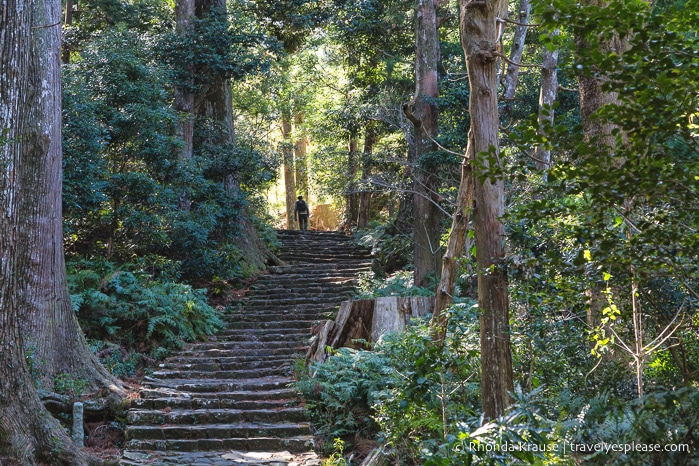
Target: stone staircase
<point>228,401</point>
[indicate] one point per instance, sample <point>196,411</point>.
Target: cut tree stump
<point>361,323</point>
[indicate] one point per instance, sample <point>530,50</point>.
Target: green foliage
<point>138,311</point>
<point>397,284</point>
<point>337,456</point>
<point>340,392</point>
<point>657,421</point>
<point>65,384</point>
<point>391,250</point>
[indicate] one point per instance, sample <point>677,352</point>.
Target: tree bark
<point>520,37</point>
<point>217,105</point>
<point>547,96</point>
<point>300,156</point>
<point>425,115</point>
<point>370,138</point>
<point>28,434</point>
<point>455,246</point>
<point>49,323</point>
<point>289,172</point>
<point>352,169</point>
<point>184,95</point>
<point>478,39</point>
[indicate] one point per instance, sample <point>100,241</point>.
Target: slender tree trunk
<point>184,96</point>
<point>478,38</point>
<point>289,172</point>
<point>67,21</point>
<point>300,156</point>
<point>427,215</point>
<point>547,97</point>
<point>49,322</point>
<point>370,138</point>
<point>455,247</point>
<point>520,37</point>
<point>28,433</point>
<point>352,169</point>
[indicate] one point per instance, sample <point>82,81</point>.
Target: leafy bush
<point>391,251</point>
<point>397,284</point>
<point>339,393</point>
<point>663,419</point>
<point>137,311</point>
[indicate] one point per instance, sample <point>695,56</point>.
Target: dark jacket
<point>301,208</point>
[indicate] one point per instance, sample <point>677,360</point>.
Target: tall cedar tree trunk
<point>352,169</point>
<point>455,247</point>
<point>49,323</point>
<point>478,39</point>
<point>289,172</point>
<point>370,138</point>
<point>592,98</point>
<point>425,115</point>
<point>547,97</point>
<point>28,433</point>
<point>300,156</point>
<point>184,95</point>
<point>217,105</point>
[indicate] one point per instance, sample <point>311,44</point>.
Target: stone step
<point>254,345</point>
<point>239,402</point>
<point>197,386</point>
<point>294,289</point>
<point>272,325</point>
<point>248,353</point>
<point>297,444</point>
<point>262,336</point>
<point>185,364</point>
<point>215,416</point>
<point>248,373</point>
<point>158,395</point>
<point>291,301</point>
<point>217,431</point>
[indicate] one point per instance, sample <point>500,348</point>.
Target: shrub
<point>139,312</point>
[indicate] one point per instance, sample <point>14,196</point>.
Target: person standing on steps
<point>301,213</point>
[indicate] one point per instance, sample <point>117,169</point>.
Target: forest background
<point>536,163</point>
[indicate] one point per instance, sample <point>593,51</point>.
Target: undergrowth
<point>127,312</point>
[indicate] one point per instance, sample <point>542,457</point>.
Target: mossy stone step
<point>213,403</point>
<point>212,385</point>
<point>276,394</point>
<point>218,431</point>
<point>297,444</point>
<point>216,416</point>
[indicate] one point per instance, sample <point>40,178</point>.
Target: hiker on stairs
<point>301,213</point>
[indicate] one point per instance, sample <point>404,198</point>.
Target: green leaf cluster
<point>143,314</point>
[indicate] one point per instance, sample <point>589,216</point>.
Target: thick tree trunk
<point>455,247</point>
<point>478,38</point>
<point>217,105</point>
<point>28,434</point>
<point>289,172</point>
<point>184,96</point>
<point>300,156</point>
<point>49,323</point>
<point>427,215</point>
<point>520,37</point>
